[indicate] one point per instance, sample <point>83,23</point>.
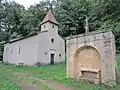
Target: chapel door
<point>52,58</point>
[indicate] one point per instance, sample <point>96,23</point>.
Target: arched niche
<point>87,63</point>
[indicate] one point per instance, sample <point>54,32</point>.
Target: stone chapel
<point>45,47</point>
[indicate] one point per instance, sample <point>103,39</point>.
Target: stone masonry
<point>91,56</point>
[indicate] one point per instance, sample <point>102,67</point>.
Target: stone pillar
<point>108,62</point>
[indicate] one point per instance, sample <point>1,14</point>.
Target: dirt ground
<point>53,84</point>
<point>25,86</point>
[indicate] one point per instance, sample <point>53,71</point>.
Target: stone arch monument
<point>91,57</point>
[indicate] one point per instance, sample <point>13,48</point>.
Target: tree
<point>105,15</point>
<point>10,23</point>
<point>71,16</point>
<point>116,27</point>
<point>103,10</point>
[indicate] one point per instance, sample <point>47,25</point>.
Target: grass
<point>7,77</point>
<point>58,73</point>
<point>5,83</point>
<point>29,81</point>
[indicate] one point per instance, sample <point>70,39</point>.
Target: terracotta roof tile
<point>49,18</point>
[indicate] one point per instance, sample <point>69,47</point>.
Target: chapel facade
<point>45,47</point>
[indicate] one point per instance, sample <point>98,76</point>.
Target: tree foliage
<point>71,15</point>
<point>16,21</point>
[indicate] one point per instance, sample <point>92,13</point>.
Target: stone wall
<point>104,43</point>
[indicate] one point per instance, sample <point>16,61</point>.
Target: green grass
<point>29,81</point>
<point>7,77</point>
<point>118,63</point>
<point>58,73</point>
<point>5,83</point>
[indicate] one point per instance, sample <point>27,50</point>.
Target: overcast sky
<point>27,3</point>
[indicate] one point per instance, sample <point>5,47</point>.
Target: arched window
<point>59,55</point>
<point>19,50</point>
<point>11,50</point>
<point>52,40</point>
<point>7,49</point>
<point>53,26</point>
<point>44,26</point>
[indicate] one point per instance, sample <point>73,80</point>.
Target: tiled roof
<point>49,18</point>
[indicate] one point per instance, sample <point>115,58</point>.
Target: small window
<point>52,40</point>
<point>53,26</point>
<point>19,50</point>
<point>7,49</point>
<point>44,26</point>
<point>11,51</point>
<point>59,55</point>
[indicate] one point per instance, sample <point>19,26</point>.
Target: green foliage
<point>16,21</point>
<point>6,84</point>
<point>1,51</point>
<point>115,26</point>
<point>10,19</point>
<point>71,15</point>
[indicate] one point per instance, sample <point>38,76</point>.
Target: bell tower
<point>49,23</point>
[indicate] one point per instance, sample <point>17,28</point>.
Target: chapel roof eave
<point>50,22</point>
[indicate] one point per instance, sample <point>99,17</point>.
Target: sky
<point>27,3</point>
